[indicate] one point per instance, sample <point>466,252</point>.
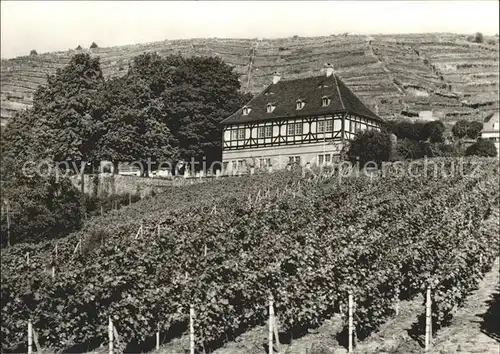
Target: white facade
<point>306,141</point>
<point>491,130</point>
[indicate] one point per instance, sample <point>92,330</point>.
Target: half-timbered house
<point>303,121</point>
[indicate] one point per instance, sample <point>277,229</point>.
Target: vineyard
<point>225,246</point>
<point>439,72</point>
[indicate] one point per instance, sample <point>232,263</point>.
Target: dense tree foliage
<point>483,148</point>
<point>466,128</point>
<point>434,131</point>
<point>204,91</point>
<point>134,126</point>
<point>416,131</point>
<point>33,52</point>
<point>474,129</point>
<point>94,45</point>
<point>169,108</point>
<point>370,145</point>
<point>40,208</point>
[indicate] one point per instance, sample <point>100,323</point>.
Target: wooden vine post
<point>428,320</point>
<point>191,329</point>
<point>271,324</point>
<point>351,325</point>
<point>110,335</point>
<point>30,337</point>
<point>158,337</point>
<point>396,309</point>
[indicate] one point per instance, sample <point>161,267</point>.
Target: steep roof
<point>284,95</point>
<point>491,115</point>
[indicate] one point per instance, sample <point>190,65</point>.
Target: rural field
<point>310,241</point>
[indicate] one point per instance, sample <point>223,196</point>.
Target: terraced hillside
<point>396,74</point>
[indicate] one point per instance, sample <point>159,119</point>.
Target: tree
<point>407,130</point>
<point>19,144</point>
<point>478,37</point>
<point>460,129</point>
<point>68,119</point>
<point>370,145</point>
<point>485,148</point>
<point>93,45</point>
<point>474,129</point>
<point>203,92</point>
<point>434,130</point>
<point>134,129</point>
<point>79,47</point>
<point>41,208</point>
<point>33,52</point>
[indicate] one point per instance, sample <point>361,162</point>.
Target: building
<point>305,121</point>
<point>491,129</point>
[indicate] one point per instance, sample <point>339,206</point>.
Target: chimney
<point>329,69</point>
<point>276,77</point>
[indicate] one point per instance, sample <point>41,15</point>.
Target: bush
<point>434,131</point>
<point>41,208</point>
<point>474,129</point>
<point>93,45</point>
<point>409,149</point>
<point>370,145</point>
<point>484,148</point>
<point>460,128</point>
<point>33,52</point>
<point>478,37</point>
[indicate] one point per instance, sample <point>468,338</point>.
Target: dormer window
<point>325,101</point>
<point>270,108</point>
<point>246,110</point>
<point>299,104</point>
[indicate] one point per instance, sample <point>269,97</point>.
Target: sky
<point>60,25</point>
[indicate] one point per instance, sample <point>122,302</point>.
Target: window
<point>321,127</point>
<point>325,101</point>
<point>265,162</point>
<point>265,132</point>
<point>297,160</point>
<point>324,159</point>
<point>234,165</point>
<point>299,105</point>
<point>325,126</point>
<point>295,129</point>
<point>238,134</point>
<point>241,164</point>
<point>246,110</point>
<point>270,108</point>
<point>291,159</point>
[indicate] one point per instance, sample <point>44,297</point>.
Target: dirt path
<point>465,334</point>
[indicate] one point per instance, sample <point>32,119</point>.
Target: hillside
<point>401,74</point>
